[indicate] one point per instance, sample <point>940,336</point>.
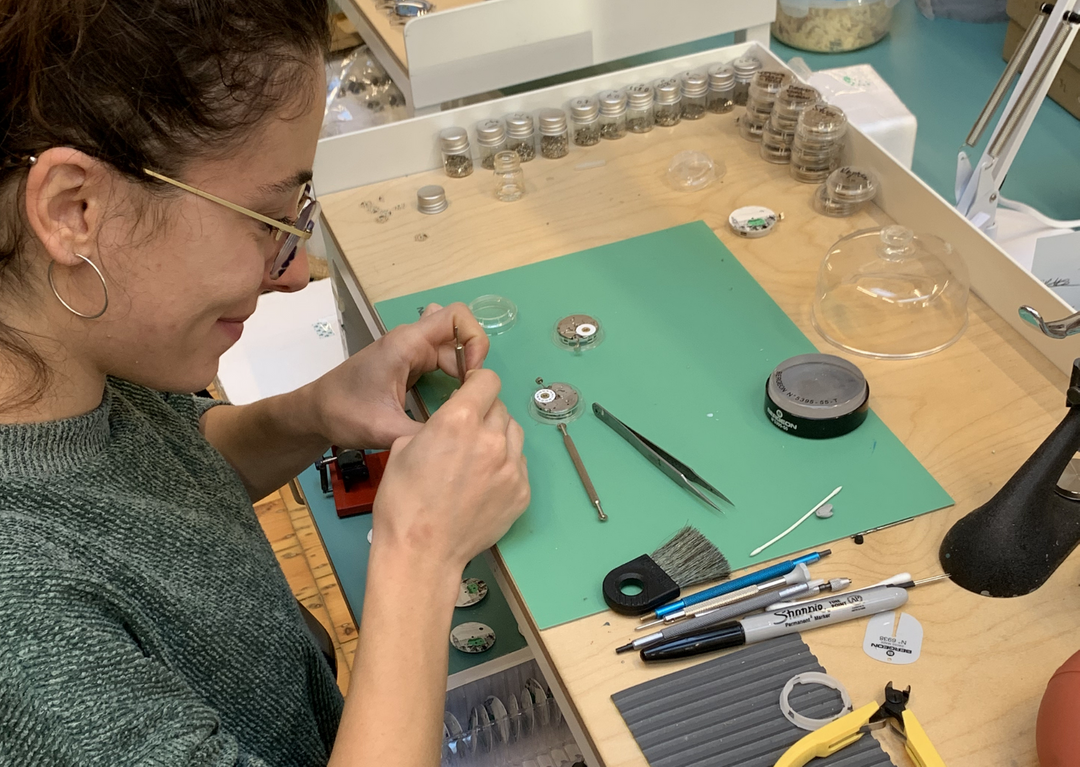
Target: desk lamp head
<point>1014,542</point>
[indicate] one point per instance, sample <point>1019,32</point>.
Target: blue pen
<point>751,579</point>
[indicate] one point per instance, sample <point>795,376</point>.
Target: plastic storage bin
<point>832,26</point>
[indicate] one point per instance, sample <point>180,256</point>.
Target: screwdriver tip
<point>625,648</point>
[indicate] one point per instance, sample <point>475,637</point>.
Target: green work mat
<point>690,339</point>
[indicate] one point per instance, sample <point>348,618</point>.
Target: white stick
<point>802,519</point>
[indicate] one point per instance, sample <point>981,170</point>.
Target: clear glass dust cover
<point>891,294</point>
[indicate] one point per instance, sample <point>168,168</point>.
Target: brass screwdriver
<point>571,448</point>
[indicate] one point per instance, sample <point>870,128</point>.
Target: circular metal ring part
<point>1068,485</point>
<point>544,396</point>
<point>585,330</point>
<point>813,677</point>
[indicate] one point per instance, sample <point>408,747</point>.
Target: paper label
<point>900,646</point>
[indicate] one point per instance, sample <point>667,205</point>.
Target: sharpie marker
<point>751,579</point>
<point>722,615</point>
<point>790,620</point>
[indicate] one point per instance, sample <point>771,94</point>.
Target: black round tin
<point>816,396</point>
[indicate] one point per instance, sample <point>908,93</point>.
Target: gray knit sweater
<point>143,617</point>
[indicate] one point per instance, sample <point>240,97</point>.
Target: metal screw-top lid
<point>613,103</point>
<point>552,122</point>
<point>454,139</point>
<point>721,77</point>
<point>745,67</point>
<point>490,132</point>
<point>519,125</point>
<point>639,96</point>
<point>769,82</point>
<point>694,84</point>
<point>667,91</point>
<point>431,199</point>
<point>584,109</point>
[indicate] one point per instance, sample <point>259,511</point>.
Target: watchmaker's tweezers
<point>676,470</point>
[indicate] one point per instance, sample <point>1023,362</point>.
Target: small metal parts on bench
<point>578,332</point>
<point>472,638</point>
<point>472,591</point>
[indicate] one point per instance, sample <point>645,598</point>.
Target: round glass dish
<point>690,171</point>
<point>495,314</point>
<point>890,294</point>
<point>832,26</point>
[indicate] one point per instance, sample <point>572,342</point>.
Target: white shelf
<point>477,47</point>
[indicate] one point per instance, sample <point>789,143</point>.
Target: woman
<point>155,160</point>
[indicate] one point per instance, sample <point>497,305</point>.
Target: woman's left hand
<point>361,402</point>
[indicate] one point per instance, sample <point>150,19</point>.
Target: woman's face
<point>178,297</point>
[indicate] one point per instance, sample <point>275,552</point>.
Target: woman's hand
<point>455,487</point>
<point>361,402</point>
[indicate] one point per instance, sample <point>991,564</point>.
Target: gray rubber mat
<point>726,712</point>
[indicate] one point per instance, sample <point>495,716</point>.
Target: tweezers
<point>673,468</point>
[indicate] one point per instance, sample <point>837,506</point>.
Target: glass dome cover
<point>891,294</point>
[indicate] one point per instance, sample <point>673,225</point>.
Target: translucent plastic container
<point>832,26</point>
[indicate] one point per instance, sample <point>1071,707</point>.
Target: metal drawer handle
<point>1063,328</point>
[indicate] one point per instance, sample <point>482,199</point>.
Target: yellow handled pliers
<point>844,731</point>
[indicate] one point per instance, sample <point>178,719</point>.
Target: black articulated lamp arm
<point>1013,543</point>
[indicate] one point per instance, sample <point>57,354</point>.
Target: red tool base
<point>361,498</point>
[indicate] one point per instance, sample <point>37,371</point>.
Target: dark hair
<point>139,84</point>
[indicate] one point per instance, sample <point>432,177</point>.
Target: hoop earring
<point>104,286</point>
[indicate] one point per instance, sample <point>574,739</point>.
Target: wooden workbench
<point>970,414</point>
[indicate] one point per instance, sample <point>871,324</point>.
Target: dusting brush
<point>688,558</point>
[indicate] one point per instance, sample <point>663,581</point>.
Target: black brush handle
<point>657,587</point>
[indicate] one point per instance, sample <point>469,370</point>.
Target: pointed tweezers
<point>676,470</point>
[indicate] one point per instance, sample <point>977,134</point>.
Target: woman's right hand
<point>454,488</point>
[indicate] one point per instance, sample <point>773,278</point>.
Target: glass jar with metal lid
<point>668,109</point>
<point>585,114</point>
<point>695,89</point>
<point>521,135</point>
<point>639,108</point>
<point>612,114</point>
<point>744,68</point>
<point>721,96</point>
<point>554,137</point>
<point>490,140</point>
<point>456,152</point>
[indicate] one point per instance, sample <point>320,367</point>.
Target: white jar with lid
<point>832,26</point>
